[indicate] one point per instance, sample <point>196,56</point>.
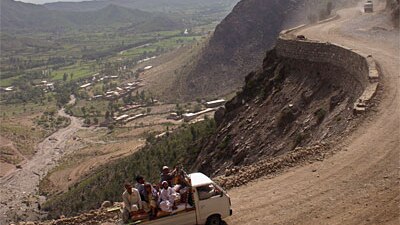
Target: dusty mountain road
<point>19,189</point>
<point>358,185</point>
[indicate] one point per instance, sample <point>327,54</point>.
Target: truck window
<point>208,191</point>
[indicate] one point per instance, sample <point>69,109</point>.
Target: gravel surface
<point>19,189</point>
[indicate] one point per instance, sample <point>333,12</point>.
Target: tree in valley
<point>107,115</point>
<point>65,77</point>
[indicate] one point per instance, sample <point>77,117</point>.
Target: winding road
<point>19,189</point>
<point>357,185</point>
<point>360,183</point>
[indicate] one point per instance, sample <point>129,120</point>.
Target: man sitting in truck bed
<point>168,198</point>
<point>132,202</point>
<point>140,186</point>
<point>166,175</point>
<point>151,199</point>
<point>181,184</point>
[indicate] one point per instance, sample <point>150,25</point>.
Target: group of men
<point>147,198</point>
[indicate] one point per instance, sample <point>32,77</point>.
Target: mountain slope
<point>236,47</point>
<point>288,103</point>
<point>107,16</point>
<point>25,16</point>
<point>394,7</point>
<point>146,5</point>
<point>179,146</point>
<point>19,15</point>
<point>358,184</point>
<point>239,43</point>
<point>157,23</point>
<point>84,6</point>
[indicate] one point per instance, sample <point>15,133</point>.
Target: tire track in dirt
<point>358,185</point>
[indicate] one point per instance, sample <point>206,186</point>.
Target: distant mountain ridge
<point>146,5</point>
<point>25,16</point>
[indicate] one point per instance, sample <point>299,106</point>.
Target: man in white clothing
<point>168,197</point>
<point>132,202</point>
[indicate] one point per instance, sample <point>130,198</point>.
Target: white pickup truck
<point>211,205</point>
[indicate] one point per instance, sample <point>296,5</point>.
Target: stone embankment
<point>108,214</point>
<point>362,67</point>
<point>242,175</point>
<point>364,71</point>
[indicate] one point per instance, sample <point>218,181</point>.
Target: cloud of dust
<point>311,11</point>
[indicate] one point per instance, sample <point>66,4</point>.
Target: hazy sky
<point>45,1</point>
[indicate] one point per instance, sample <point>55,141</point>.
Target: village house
<point>85,85</point>
<point>174,116</point>
<point>128,107</point>
<point>190,116</point>
<point>215,103</point>
<point>49,87</point>
<point>147,67</point>
<point>11,88</point>
<point>7,89</point>
<point>97,96</point>
<point>120,118</point>
<point>134,117</point>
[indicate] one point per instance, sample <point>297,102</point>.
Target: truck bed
<point>162,216</point>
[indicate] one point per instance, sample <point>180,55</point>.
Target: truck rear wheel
<point>214,220</point>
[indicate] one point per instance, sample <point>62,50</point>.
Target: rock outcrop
<point>393,6</point>
<point>105,215</point>
<point>304,95</point>
<point>237,46</point>
<point>239,42</point>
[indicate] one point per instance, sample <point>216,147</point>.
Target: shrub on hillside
<point>106,183</point>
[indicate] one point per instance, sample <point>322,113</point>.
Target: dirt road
<point>19,189</point>
<point>358,185</point>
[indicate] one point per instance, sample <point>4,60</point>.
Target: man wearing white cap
<point>168,198</point>
<point>132,202</point>
<point>166,175</point>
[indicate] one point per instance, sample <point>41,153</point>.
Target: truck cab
<point>211,205</point>
<point>369,6</point>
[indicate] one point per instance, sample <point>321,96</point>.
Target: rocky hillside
<point>236,47</point>
<point>289,111</point>
<point>20,16</point>
<point>146,5</point>
<point>239,43</point>
<point>285,105</point>
<point>394,7</point>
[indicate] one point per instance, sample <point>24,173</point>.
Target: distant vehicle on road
<point>369,6</point>
<point>301,37</point>
<point>52,139</point>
